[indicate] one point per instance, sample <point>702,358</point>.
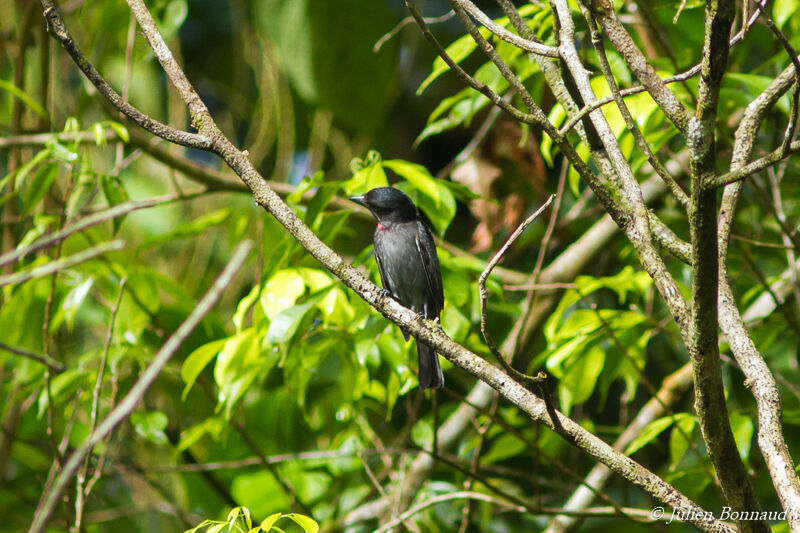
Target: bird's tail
<point>430,373</point>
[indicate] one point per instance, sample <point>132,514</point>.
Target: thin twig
<point>683,76</point>
<point>540,287</point>
<point>485,296</point>
<point>757,165</point>
<point>61,264</point>
<point>461,495</point>
<point>87,222</point>
<point>760,243</point>
<point>790,127</point>
<point>54,365</point>
<point>80,489</point>
<point>40,139</point>
<point>285,484</point>
<point>405,22</point>
<point>377,484</point>
<point>483,433</point>
<point>479,86</point>
<point>514,338</point>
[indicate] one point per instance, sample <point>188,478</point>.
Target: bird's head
<point>388,204</point>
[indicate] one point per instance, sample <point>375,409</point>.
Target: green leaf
<point>201,525</point>
<point>115,194</point>
<point>172,18</point>
<point>269,521</point>
<point>462,107</point>
<point>97,131</point>
<point>212,426</point>
<point>627,280</point>
<point>236,354</point>
<point>39,186</point>
<point>119,129</point>
<point>742,427</point>
<point>458,50</point>
<point>74,300</point>
<point>680,438</point>
<point>244,306</point>
<point>240,512</point>
<point>308,524</point>
<point>24,170</point>
<point>189,229</point>
<point>71,125</point>
<point>422,434</point>
<point>62,385</point>
<point>24,98</point>
<point>197,361</point>
<point>260,492</point>
<point>61,152</point>
<point>504,447</point>
<point>285,324</point>
<point>782,10</point>
<point>151,425</point>
<point>281,292</point>
<point>367,178</point>
<point>649,433</point>
<point>580,376</point>
<point>83,192</point>
<point>306,184</point>
<point>217,528</point>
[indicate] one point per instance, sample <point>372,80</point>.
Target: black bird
<point>408,265</point>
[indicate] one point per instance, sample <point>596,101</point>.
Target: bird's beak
<point>357,199</point>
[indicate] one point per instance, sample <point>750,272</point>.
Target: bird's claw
<point>385,293</point>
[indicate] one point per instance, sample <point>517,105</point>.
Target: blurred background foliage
<point>293,392</point>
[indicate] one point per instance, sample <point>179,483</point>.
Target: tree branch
<point>520,42</point>
<point>603,10</point>
<point>759,377</point>
<point>61,264</point>
<point>703,346</point>
<point>58,29</point>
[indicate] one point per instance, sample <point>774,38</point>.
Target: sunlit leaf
<point>650,432</point>
<point>308,524</point>
<point>197,361</point>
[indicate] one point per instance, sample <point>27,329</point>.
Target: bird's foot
<point>385,293</point>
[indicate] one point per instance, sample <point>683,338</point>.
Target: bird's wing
<point>384,279</point>
<point>427,252</point>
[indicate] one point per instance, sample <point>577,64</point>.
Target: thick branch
<point>703,345</point>
<point>628,196</point>
<point>765,391</point>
